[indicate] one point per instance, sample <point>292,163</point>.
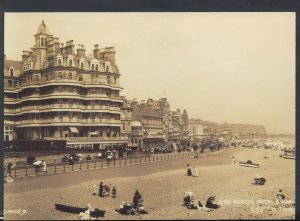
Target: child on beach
<point>94,190</point>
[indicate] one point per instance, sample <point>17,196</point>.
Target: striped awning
<point>74,130</point>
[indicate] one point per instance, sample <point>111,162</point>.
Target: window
<point>42,42</point>
<point>15,83</point>
<point>70,63</point>
<point>80,77</point>
<point>36,77</point>
<point>82,65</point>
<point>11,71</point>
<point>108,79</point>
<point>70,75</point>
<point>96,67</point>
<point>115,80</point>
<point>107,68</point>
<point>59,62</point>
<point>59,75</point>
<point>46,77</point>
<point>96,76</point>
<point>9,83</point>
<point>92,66</point>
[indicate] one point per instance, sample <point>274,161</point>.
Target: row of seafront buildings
<point>59,93</point>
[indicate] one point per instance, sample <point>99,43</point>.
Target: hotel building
<point>57,93</point>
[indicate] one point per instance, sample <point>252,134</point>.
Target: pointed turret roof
<point>43,29</point>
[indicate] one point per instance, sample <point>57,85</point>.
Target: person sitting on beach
<point>280,195</point>
<point>199,205</point>
<point>94,190</point>
<point>210,203</point>
<point>195,174</point>
<point>189,170</point>
<point>258,180</point>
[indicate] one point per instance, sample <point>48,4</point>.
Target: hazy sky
<point>221,67</point>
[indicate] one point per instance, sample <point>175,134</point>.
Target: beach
<point>162,185</point>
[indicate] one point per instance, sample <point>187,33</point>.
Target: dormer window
<point>11,71</point>
<point>59,62</point>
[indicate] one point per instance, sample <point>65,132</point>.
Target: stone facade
<point>59,93</point>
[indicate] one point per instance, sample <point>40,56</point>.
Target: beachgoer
<point>195,174</point>
<point>137,196</point>
<point>199,205</point>
<point>189,171</point>
<point>114,192</point>
<point>280,195</point>
<point>94,190</point>
<point>101,189</point>
<point>210,203</point>
<point>9,168</point>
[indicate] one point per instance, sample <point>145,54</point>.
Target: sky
<point>220,67</point>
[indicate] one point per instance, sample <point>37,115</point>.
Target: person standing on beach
<point>9,168</point>
<point>233,160</point>
<point>114,192</point>
<point>189,171</point>
<point>101,189</point>
<point>195,174</point>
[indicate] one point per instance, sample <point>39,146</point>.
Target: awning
<point>74,130</point>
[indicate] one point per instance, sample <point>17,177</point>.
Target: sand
<point>162,185</point>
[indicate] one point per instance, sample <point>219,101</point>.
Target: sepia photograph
<point>149,115</point>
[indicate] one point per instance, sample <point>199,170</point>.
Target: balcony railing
<point>123,139</point>
<point>68,120</point>
<point>66,106</point>
<point>154,136</point>
<point>72,81</point>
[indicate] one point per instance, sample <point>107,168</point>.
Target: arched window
<point>42,42</point>
<point>107,68</point>
<point>70,63</point>
<point>11,71</point>
<point>59,62</point>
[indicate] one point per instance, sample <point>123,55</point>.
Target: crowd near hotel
<point>59,92</point>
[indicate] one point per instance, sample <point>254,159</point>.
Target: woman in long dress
<point>195,174</point>
<point>189,171</point>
